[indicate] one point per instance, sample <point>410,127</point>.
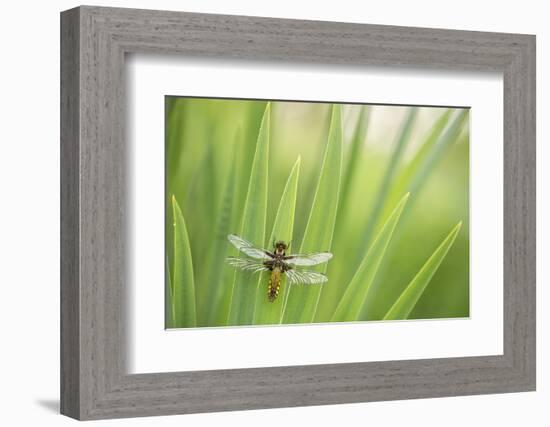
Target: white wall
<point>29,226</point>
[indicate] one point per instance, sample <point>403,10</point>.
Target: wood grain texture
<point>70,291</point>
<point>94,270</point>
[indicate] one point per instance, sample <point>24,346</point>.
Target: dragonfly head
<point>280,247</point>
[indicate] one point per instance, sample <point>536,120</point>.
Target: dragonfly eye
<point>280,247</point>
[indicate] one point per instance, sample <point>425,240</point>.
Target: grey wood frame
<point>94,41</point>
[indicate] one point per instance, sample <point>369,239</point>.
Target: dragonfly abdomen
<point>274,284</point>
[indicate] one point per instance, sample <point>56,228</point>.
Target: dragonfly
<point>278,263</point>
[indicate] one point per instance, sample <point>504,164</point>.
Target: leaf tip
<point>403,201</point>
<point>175,205</point>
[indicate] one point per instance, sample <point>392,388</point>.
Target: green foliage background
<point>384,188</point>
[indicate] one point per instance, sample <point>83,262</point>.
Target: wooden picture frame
<point>94,382</point>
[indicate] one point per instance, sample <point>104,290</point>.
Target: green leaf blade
<point>375,217</point>
<point>415,179</point>
<point>268,313</point>
<point>183,295</point>
<point>168,299</point>
<point>330,295</point>
<point>356,293</point>
<point>245,285</point>
<point>412,293</point>
<point>219,293</point>
<point>443,135</point>
<point>354,158</point>
<point>301,300</point>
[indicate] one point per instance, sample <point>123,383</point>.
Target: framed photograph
<point>262,213</point>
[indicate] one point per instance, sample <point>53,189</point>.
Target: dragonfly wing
<point>307,260</point>
<point>246,264</point>
<point>246,247</point>
<point>303,277</point>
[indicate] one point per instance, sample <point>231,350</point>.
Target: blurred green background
<point>388,151</point>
